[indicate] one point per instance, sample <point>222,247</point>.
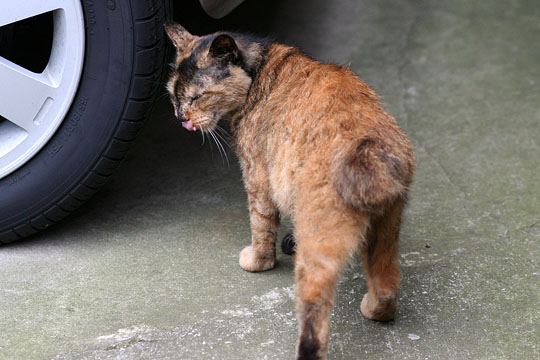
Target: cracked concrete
<point>148,269</point>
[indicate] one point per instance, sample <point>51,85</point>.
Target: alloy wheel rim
<point>33,105</point>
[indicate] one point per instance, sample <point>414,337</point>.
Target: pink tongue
<point>188,125</point>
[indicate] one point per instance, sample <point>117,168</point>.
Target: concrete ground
<point>148,268</point>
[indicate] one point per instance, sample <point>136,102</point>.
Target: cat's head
<point>211,76</point>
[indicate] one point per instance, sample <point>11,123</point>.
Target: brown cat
<point>314,144</point>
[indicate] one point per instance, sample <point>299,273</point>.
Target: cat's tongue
<point>189,125</point>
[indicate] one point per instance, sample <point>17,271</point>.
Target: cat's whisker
<point>222,138</point>
<point>202,135</point>
<point>223,152</point>
<point>159,97</point>
<point>224,135</point>
<point>217,145</point>
<point>223,131</point>
<point>211,148</point>
<point>164,117</point>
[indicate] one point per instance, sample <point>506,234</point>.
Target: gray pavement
<point>148,268</point>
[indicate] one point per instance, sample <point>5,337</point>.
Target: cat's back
<point>307,117</point>
<point>303,88</point>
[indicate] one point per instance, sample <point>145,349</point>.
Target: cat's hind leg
<point>264,221</point>
<point>381,264</point>
<point>326,240</point>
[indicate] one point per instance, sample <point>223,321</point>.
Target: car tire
<point>124,64</point>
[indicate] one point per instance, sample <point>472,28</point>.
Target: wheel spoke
<point>35,105</point>
<point>17,10</point>
<point>24,95</point>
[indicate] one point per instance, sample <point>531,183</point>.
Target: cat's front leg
<point>264,220</point>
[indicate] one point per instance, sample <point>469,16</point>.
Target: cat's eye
<point>193,98</point>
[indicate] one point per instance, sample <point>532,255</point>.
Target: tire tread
<point>150,49</point>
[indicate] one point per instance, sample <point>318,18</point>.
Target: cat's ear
<point>178,35</point>
<point>224,49</point>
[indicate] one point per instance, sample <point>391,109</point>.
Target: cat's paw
<point>288,245</point>
<point>249,260</point>
<point>384,309</point>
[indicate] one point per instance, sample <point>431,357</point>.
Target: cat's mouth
<point>204,125</point>
<point>189,125</point>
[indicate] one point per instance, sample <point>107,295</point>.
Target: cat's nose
<point>183,116</point>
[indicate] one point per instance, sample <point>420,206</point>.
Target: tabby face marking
<point>210,78</point>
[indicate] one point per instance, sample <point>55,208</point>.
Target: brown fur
<point>314,144</point>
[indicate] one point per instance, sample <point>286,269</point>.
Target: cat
<point>314,144</point>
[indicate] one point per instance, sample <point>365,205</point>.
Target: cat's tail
<point>369,173</point>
